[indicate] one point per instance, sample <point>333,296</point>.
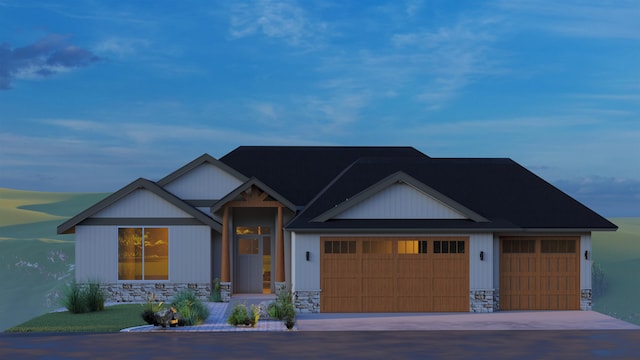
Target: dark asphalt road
<point>565,344</point>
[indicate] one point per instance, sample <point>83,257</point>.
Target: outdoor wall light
<point>307,255</point>
<point>481,255</point>
<point>586,254</point>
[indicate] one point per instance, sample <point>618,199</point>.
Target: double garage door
<point>394,274</point>
<point>540,273</point>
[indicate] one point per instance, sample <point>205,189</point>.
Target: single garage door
<point>540,273</point>
<point>393,274</point>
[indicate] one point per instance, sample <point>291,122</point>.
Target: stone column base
<point>586,296</point>
<point>281,287</point>
<point>307,301</point>
<point>225,291</point>
<point>482,301</point>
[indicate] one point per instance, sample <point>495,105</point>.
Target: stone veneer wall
<point>586,296</point>
<point>484,301</point>
<point>141,292</point>
<point>307,301</point>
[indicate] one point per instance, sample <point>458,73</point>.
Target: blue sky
<point>94,94</point>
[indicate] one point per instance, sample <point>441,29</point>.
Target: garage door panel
<point>539,273</point>
<point>395,275</point>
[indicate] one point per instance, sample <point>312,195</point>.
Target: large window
<point>143,260</point>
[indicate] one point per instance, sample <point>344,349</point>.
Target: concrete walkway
<point>504,320</point>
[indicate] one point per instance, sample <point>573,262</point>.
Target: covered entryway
<point>539,273</point>
<point>394,274</point>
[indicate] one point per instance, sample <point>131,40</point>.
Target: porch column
<point>224,262</point>
<point>280,276</point>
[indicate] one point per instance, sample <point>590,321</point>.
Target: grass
<point>111,319</point>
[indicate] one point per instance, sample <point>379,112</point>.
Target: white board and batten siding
<point>97,254</point>
<point>142,203</point>
<point>481,275</point>
<point>585,264</point>
<point>305,274</point>
<point>205,182</point>
<point>400,201</point>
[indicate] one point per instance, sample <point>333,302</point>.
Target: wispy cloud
<point>590,19</point>
<point>283,20</point>
<point>48,56</point>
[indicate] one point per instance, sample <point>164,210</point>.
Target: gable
<point>400,201</point>
<point>204,182</point>
<point>142,203</point>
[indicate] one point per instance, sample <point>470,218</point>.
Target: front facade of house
<point>346,229</point>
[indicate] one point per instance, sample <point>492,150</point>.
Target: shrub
<point>192,309</point>
<point>241,315</point>
<point>150,308</point>
<point>282,308</point>
<point>74,299</point>
<point>599,280</point>
<point>94,297</point>
<point>216,296</point>
<point>80,299</point>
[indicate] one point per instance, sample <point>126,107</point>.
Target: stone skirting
<point>586,296</point>
<point>484,301</point>
<point>307,301</point>
<point>141,292</point>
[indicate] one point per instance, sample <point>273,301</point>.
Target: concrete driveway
<point>503,320</point>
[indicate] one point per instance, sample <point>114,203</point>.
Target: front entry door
<point>254,263</point>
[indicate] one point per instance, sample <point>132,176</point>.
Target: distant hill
<point>35,262</point>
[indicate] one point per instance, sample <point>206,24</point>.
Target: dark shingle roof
<point>500,190</point>
<point>300,172</point>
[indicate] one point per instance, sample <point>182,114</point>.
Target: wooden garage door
<point>384,274</point>
<point>540,273</point>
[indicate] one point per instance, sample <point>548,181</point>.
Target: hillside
<point>34,261</point>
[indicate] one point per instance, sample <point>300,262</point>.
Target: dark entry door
<point>254,264</point>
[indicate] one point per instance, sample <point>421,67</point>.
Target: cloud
<point>611,197</point>
<point>589,19</point>
<point>275,19</point>
<point>46,57</point>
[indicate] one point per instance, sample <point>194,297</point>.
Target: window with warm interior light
<point>143,253</point>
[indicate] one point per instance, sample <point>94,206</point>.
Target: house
<point>346,229</point>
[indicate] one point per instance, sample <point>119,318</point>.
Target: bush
<point>282,308</point>
<point>216,295</point>
<point>80,299</point>
<point>241,315</point>
<point>74,299</point>
<point>150,308</point>
<point>192,309</point>
<point>600,283</point>
<point>94,297</point>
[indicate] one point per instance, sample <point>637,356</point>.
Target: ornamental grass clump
<point>78,299</point>
<point>192,309</point>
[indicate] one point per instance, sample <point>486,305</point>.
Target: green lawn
<point>111,319</point>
